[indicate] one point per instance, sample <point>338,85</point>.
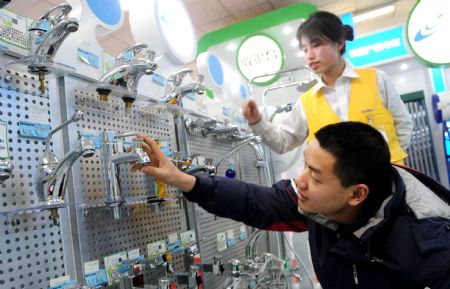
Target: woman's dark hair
<point>325,25</point>
<point>361,157</point>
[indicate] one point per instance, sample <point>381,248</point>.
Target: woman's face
<point>321,54</point>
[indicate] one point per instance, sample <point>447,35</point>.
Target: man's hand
<point>251,112</point>
<point>162,168</point>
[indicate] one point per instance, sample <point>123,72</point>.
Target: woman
<point>341,94</point>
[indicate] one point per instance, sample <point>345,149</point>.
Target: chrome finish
<point>279,109</point>
<point>5,170</point>
<point>46,36</point>
<point>113,155</point>
<point>255,144</point>
<point>175,91</point>
<point>163,283</point>
<point>51,173</point>
<point>252,245</point>
<point>131,64</point>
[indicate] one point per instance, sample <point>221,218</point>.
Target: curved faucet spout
<point>47,34</point>
<point>253,141</point>
<point>51,178</point>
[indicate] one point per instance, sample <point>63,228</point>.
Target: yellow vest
<point>365,105</point>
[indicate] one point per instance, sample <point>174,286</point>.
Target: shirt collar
<point>348,72</point>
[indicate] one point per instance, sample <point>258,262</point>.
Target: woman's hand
<point>251,112</point>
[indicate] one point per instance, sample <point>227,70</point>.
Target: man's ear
<point>359,194</point>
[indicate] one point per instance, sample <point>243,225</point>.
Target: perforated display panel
<point>421,155</point>
<point>209,225</point>
<point>31,247</point>
<point>100,235</point>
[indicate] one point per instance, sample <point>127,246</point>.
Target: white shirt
<point>293,129</point>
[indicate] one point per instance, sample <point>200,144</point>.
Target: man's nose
<point>301,182</point>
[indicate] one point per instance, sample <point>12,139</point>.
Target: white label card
<point>91,267</point>
<point>4,153</point>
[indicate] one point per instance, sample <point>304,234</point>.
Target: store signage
<point>427,31</point>
<point>258,55</point>
<point>376,48</point>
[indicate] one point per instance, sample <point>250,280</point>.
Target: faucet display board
<point>36,248</point>
<point>31,245</point>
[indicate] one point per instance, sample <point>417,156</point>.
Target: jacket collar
<point>383,214</point>
<point>348,73</point>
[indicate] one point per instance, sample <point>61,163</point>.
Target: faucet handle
<point>51,18</point>
<point>130,53</point>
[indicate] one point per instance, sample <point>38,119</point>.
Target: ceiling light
<point>287,30</point>
<point>401,80</point>
<point>124,5</point>
<point>294,43</point>
<point>373,13</point>
<point>231,47</point>
<point>404,66</point>
<point>301,53</point>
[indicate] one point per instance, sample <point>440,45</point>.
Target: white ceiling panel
<point>237,6</point>
<point>206,11</point>
<point>253,12</point>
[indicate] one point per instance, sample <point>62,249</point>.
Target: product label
<point>92,266</point>
<point>34,130</point>
<point>113,265</point>
<point>187,238</point>
<point>156,248</point>
<point>88,57</point>
<point>4,152</point>
<point>221,242</point>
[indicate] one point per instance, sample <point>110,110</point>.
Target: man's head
<point>347,170</point>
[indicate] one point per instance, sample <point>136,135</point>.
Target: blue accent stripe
<point>437,76</point>
<point>107,11</point>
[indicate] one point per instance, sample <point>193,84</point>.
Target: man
<point>371,225</point>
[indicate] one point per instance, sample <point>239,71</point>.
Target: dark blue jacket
<point>405,245</point>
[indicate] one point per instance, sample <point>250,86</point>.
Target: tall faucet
<point>47,34</point>
<point>51,173</point>
<point>131,64</point>
<point>113,155</point>
<point>254,142</point>
<point>175,91</point>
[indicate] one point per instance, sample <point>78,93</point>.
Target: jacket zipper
<point>355,275</point>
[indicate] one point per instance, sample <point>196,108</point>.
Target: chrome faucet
<point>5,170</point>
<point>175,91</point>
<point>51,173</point>
<point>131,64</point>
<point>46,35</point>
<point>255,143</point>
<point>279,109</point>
<point>113,155</point>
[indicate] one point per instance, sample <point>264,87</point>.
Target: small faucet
<point>47,34</point>
<point>175,91</point>
<point>5,170</point>
<point>131,64</point>
<point>279,109</point>
<point>51,174</point>
<point>113,155</point>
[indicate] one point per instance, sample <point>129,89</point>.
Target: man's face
<point>320,190</point>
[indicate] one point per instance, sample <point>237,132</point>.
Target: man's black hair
<point>361,157</point>
<point>326,25</point>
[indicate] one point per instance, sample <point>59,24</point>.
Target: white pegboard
<point>100,235</point>
<point>31,246</point>
<point>209,225</point>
